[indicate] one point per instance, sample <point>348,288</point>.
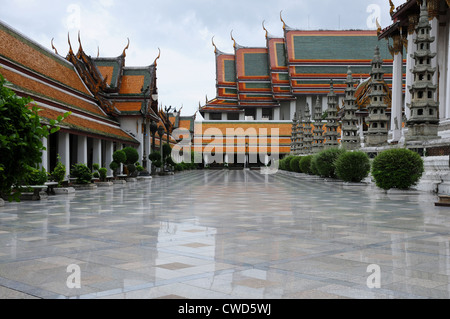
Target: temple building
<point>264,87</point>
<point>112,105</point>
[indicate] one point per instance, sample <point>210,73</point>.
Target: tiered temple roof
<point>298,63</point>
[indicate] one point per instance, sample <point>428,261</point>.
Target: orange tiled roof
<point>107,72</point>
<point>128,106</point>
<point>132,84</point>
<point>24,52</point>
<point>37,88</point>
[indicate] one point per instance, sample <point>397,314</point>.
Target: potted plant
<point>83,177</point>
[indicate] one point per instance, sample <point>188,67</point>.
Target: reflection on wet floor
<point>226,234</point>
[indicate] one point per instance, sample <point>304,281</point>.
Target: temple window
<point>420,112</point>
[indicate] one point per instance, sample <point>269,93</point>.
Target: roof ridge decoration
<point>124,54</point>
<point>53,47</point>
<point>285,26</point>
<point>157,58</point>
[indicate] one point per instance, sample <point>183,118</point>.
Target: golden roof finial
<point>281,18</point>
<point>234,41</point>
<point>79,41</point>
<point>53,47</point>
<point>157,58</point>
<point>264,28</point>
<point>126,48</point>
<point>378,27</point>
<point>214,45</point>
<point>392,7</point>
<point>70,45</point>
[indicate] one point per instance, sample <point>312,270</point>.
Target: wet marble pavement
<point>226,234</point>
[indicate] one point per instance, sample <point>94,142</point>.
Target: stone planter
<point>64,190</point>
<point>444,200</point>
<point>2,202</point>
<point>104,184</point>
<point>84,186</point>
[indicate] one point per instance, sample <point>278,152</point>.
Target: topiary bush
<point>313,167</point>
<point>305,164</point>
<point>294,164</point>
<point>326,162</point>
<point>132,155</point>
<point>287,163</point>
<point>102,172</point>
<point>82,173</point>
<point>352,166</point>
<point>119,157</point>
<point>59,172</point>
<point>397,168</point>
<point>114,166</point>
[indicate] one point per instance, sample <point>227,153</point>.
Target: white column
<point>109,149</point>
<point>241,116</point>
<point>259,114</point>
<point>292,110</point>
<point>396,112</point>
<point>206,116</point>
<point>447,94</point>
<point>309,102</point>
<point>97,147</point>
<point>224,116</point>
<point>434,48</point>
<point>64,150</point>
<point>44,158</point>
<point>324,104</point>
<point>409,74</point>
<point>82,149</point>
<point>276,113</point>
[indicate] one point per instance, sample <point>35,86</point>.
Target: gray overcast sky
<point>182,30</point>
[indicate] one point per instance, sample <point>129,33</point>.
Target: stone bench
<point>51,187</point>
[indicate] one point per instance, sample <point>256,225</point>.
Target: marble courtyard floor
<point>226,234</point>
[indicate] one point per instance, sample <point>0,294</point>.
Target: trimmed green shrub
<point>96,174</point>
<point>102,172</point>
<point>294,164</point>
<point>326,162</point>
<point>59,172</point>
<point>313,167</point>
<point>353,166</point>
<point>95,167</point>
<point>155,156</point>
<point>131,169</point>
<point>119,157</point>
<point>132,155</point>
<point>397,168</point>
<point>114,166</point>
<point>305,164</point>
<point>82,173</point>
<point>36,176</point>
<point>287,162</point>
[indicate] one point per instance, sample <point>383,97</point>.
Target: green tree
<point>21,134</point>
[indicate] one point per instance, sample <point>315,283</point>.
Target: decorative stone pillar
<point>307,132</point>
<point>350,137</point>
<point>423,123</point>
<point>293,106</point>
<point>377,134</point>
<point>331,134</point>
<point>412,23</point>
<point>318,127</point>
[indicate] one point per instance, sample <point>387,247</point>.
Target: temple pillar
<point>259,114</point>
<point>447,94</point>
<point>97,151</point>
<point>397,90</point>
<point>64,150</point>
<point>309,103</point>
<point>224,116</point>
<point>109,150</point>
<point>82,150</point>
<point>276,114</point>
<point>44,157</point>
<point>293,106</point>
